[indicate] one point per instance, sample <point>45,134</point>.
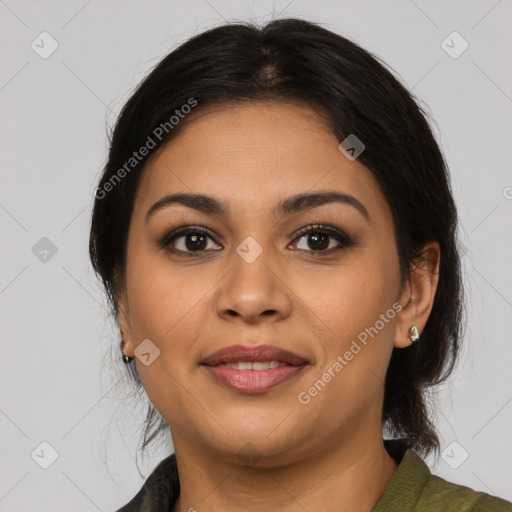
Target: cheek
<point>348,383</point>
<point>168,306</point>
<point>352,297</point>
<point>164,308</point>
<point>163,297</point>
<point>357,305</point>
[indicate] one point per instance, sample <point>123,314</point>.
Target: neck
<point>349,475</point>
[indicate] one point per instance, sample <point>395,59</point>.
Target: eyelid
<point>318,226</point>
<point>183,230</point>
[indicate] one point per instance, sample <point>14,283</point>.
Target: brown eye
<point>321,239</point>
<point>189,240</point>
<point>194,242</point>
<point>317,241</point>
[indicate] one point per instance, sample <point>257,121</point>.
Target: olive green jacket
<point>412,488</point>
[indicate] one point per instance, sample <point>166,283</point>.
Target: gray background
<point>56,336</point>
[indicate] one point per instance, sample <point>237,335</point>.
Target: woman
<point>276,232</point>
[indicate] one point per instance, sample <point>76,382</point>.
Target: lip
<point>259,353</point>
<point>253,381</point>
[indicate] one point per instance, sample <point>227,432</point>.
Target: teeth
<point>247,365</point>
<point>263,365</point>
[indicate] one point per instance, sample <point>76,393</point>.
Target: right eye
<point>188,240</point>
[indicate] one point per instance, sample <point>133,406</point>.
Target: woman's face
<point>255,280</point>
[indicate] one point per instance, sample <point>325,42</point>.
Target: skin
<point>326,455</point>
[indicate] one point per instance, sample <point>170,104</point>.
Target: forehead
<point>255,154</point>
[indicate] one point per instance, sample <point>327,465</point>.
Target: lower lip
<point>253,381</point>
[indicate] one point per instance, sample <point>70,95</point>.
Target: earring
<point>414,335</point>
<point>126,358</point>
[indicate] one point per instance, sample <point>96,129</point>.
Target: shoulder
<point>160,490</point>
<point>441,495</point>
<point>413,488</point>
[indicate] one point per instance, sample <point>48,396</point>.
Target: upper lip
<point>259,353</point>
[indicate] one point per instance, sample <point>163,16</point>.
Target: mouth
<point>253,369</point>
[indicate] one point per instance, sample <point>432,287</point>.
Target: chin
<point>259,443</point>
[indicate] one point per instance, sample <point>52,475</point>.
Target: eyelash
<point>343,239</point>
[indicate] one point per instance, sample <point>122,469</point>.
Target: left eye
<point>321,239</point>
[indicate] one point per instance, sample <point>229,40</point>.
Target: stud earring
<point>126,358</point>
<point>414,335</point>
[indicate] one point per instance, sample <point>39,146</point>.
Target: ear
<point>123,318</point>
<point>417,297</point>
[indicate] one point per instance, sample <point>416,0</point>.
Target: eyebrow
<point>212,206</point>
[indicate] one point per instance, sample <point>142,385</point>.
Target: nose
<point>254,292</point>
